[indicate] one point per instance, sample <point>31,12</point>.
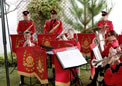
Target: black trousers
<point>21,79</point>
<point>98,71</point>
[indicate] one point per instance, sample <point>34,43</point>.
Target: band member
<point>26,43</point>
<point>70,36</point>
<point>53,25</point>
<point>113,78</point>
<point>62,76</point>
<point>26,24</point>
<point>28,40</point>
<point>113,44</point>
<point>105,25</point>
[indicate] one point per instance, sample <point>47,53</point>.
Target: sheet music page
<point>71,58</point>
<point>97,53</point>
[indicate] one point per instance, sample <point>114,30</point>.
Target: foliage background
<point>40,11</point>
<point>84,15</point>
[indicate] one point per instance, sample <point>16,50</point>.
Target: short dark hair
<point>28,32</point>
<point>112,33</point>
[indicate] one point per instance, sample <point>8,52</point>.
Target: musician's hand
<point>32,44</point>
<point>111,60</point>
<point>26,43</point>
<point>117,62</point>
<point>112,52</point>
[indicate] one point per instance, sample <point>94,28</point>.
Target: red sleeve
<point>78,45</point>
<point>106,51</point>
<point>99,24</point>
<point>19,27</point>
<point>111,26</point>
<point>45,27</point>
<point>33,28</point>
<point>109,77</point>
<point>61,28</point>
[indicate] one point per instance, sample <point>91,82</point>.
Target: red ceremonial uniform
<point>113,79</point>
<point>114,44</point>
<point>102,23</point>
<point>24,25</point>
<point>49,25</point>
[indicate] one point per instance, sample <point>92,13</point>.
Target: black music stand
<point>49,52</point>
<point>71,58</point>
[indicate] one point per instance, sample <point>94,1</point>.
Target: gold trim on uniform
<point>62,84</point>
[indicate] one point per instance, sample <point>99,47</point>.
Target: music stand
<point>70,58</point>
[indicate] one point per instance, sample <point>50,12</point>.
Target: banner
<point>44,39</point>
<point>63,43</point>
<point>31,61</point>
<point>14,41</point>
<point>85,40</point>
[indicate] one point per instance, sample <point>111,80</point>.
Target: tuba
<point>98,61</point>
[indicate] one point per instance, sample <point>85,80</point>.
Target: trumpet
<point>103,62</point>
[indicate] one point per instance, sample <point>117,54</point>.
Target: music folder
<point>69,57</point>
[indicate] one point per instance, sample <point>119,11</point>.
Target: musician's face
<point>111,38</point>
<point>27,36</point>
<point>70,34</point>
<point>105,18</point>
<point>25,17</point>
<point>53,16</point>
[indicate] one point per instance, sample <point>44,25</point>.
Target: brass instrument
<point>104,61</point>
<point>28,28</point>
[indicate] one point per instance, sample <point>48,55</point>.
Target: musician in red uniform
<point>53,25</point>
<point>63,76</point>
<point>113,44</point>
<point>26,24</point>
<point>26,43</point>
<point>105,24</point>
<point>70,36</point>
<point>113,78</point>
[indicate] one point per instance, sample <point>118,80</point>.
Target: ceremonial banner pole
<point>4,42</point>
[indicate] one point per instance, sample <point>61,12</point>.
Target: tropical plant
<point>40,11</point>
<point>85,13</point>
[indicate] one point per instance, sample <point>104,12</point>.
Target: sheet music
<point>97,53</point>
<point>71,58</point>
